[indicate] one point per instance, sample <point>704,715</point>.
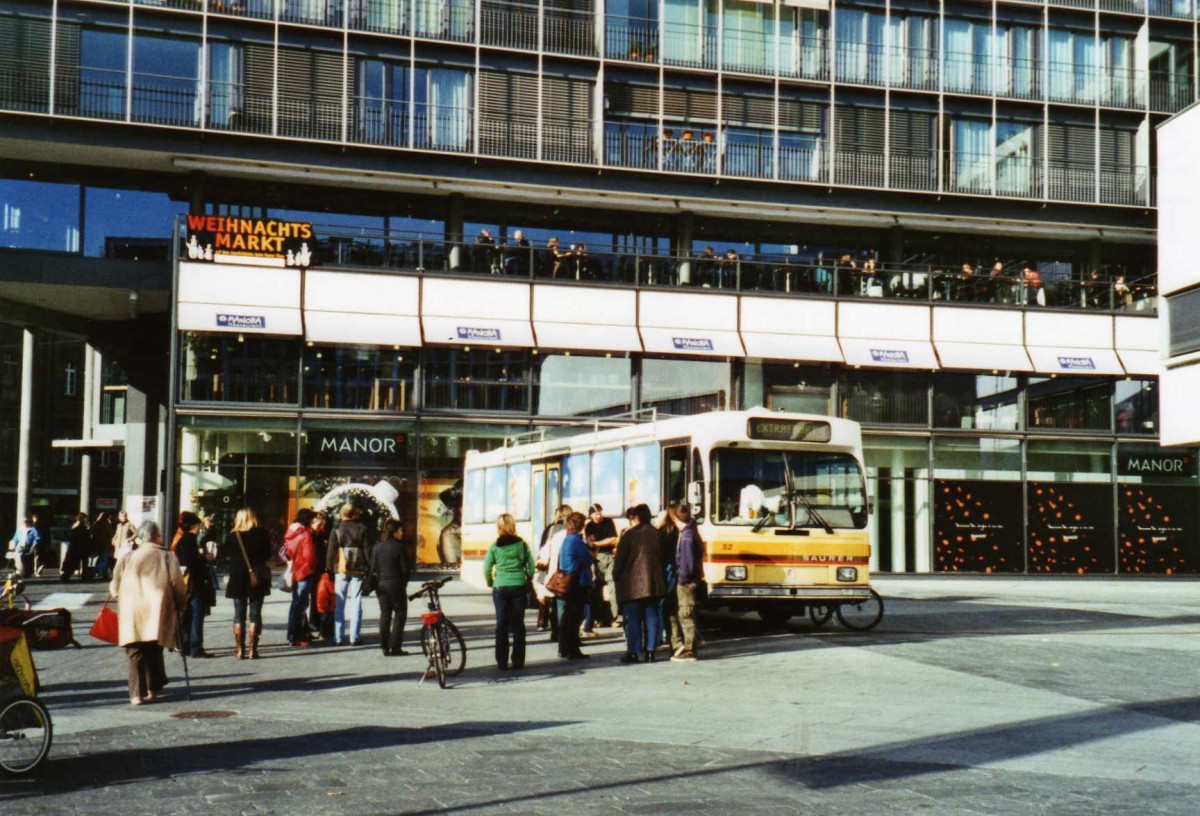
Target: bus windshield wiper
<point>813,515</point>
<point>794,495</point>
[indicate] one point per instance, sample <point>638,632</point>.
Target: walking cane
<point>187,681</point>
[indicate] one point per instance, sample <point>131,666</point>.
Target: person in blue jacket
<point>26,542</point>
<point>574,558</point>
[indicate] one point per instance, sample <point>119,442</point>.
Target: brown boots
<point>239,641</point>
<point>255,631</point>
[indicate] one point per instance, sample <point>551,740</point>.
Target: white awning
<point>889,353</point>
<point>483,332</point>
<point>792,347</point>
<point>706,343</point>
<point>364,329</point>
<point>983,356</point>
<point>1065,360</point>
<point>587,336</point>
<point>1139,361</point>
<point>208,317</point>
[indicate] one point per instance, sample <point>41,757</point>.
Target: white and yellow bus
<point>780,500</point>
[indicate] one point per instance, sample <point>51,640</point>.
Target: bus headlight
<point>847,574</point>
<point>735,573</point>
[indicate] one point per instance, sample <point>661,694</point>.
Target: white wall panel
<point>364,329</point>
<point>486,299</point>
<point>1179,421</point>
<point>1140,333</point>
<point>676,310</point>
<point>792,316</point>
<point>244,285</point>
<point>884,321</point>
<point>1178,201</point>
<point>958,325</point>
<point>1068,330</point>
<point>564,304</point>
<point>367,294</point>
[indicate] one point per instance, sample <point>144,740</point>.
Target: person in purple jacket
<point>689,571</point>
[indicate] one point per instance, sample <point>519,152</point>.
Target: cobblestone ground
<point>974,696</point>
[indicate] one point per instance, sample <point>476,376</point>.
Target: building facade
<point>844,162</point>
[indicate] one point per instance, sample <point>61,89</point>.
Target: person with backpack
<point>347,559</point>
<point>508,569</point>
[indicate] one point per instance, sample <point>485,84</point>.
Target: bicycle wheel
<point>437,659</point>
<point>25,735</point>
<point>820,614</point>
<point>861,615</point>
<point>452,645</point>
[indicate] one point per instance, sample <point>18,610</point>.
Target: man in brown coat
<point>150,592</point>
<point>641,581</point>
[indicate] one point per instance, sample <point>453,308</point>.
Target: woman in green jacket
<point>508,568</point>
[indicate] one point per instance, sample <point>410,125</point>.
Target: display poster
<point>1070,528</point>
<point>439,522</point>
<point>1157,528</point>
<point>978,527</point>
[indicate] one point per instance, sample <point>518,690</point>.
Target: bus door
<point>547,495</point>
<point>675,472</point>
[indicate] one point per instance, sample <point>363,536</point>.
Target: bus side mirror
<point>870,507</point>
<point>694,493</point>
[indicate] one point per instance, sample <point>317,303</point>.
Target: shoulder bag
<point>560,582</point>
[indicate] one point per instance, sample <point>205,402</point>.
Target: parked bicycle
<point>25,727</point>
<point>440,639</point>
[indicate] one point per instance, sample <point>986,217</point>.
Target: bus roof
<point>700,428</point>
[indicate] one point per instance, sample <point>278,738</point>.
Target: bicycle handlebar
<point>430,585</point>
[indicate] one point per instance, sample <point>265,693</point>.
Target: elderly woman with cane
<point>150,592</point>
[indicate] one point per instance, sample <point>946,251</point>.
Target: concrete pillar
<point>189,467</point>
<point>25,424</point>
<point>1093,255</point>
<point>91,380</point>
<point>895,244</point>
<point>923,544</point>
<point>685,229</point>
<point>753,384</point>
<point>455,216</point>
<point>899,509</point>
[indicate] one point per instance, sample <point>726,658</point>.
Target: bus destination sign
<point>789,430</point>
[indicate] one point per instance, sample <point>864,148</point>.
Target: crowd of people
<point>647,580</point>
<point>93,545</point>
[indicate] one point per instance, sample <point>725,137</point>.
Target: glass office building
<point>936,219</point>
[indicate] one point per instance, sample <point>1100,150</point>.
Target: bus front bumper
<point>816,594</point>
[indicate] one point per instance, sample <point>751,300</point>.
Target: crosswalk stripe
<point>64,600</point>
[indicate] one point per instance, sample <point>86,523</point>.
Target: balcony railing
<point>780,275</point>
<point>509,24</point>
<point>567,31</point>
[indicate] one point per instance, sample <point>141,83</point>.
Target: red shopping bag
<point>326,595</point>
<point>105,627</point>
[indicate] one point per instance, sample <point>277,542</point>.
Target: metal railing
<point>509,24</point>
<point>781,275</point>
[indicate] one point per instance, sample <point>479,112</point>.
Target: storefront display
<point>978,527</point>
<point>1070,528</point>
<point>1158,529</point>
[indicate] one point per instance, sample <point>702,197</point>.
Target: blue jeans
<point>300,591</point>
<point>347,612</point>
<point>191,627</point>
<point>643,625</point>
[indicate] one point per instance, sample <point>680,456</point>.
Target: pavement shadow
<point>125,766</point>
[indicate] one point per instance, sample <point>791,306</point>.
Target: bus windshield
<point>775,488</point>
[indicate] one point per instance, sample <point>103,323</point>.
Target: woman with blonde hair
<point>248,549</point>
<point>508,568</point>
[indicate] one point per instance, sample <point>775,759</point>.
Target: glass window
<point>1069,461</point>
<point>684,387</point>
<point>885,397</point>
<point>751,487</point>
<point>568,385</point>
<point>238,368</point>
<point>496,491</point>
<point>102,56</point>
<point>360,378</point>
<point>166,71</point>
<point>994,459</point>
<point>129,224</point>
<point>575,477</point>
<point>1183,325</point>
<point>39,215</point>
<point>477,380</point>
<point>444,445</point>
<point>642,477</point>
<point>1070,403</point>
<point>802,389</point>
<point>518,490</point>
<point>473,499</point>
<point>1137,406</point>
<point>975,401</point>
<point>607,478</point>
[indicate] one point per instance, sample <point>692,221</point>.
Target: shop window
<point>898,487</point>
<point>359,378</point>
<point>796,388</point>
<point>684,387</point>
<point>885,397</point>
<point>1070,403</point>
<point>985,402</point>
<point>1055,460</point>
<point>239,368</point>
<point>573,385</point>
<point>477,380</point>
<point>39,215</point>
<point>129,224</point>
<point>986,459</point>
<point>1136,406</point>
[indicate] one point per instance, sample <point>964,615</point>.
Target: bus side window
<point>675,476</point>
<point>697,475</point>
